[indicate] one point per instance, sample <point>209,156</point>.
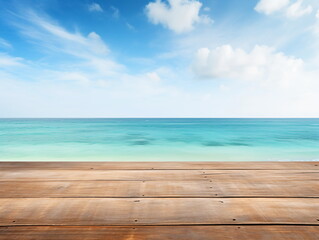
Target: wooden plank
<point>156,175</point>
<point>205,188</point>
<point>162,165</point>
<point>157,211</point>
<point>161,232</point>
<point>96,200</point>
<point>133,175</point>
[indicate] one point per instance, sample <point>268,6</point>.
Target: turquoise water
<point>159,139</point>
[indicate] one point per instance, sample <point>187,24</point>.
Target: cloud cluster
<point>270,6</point>
<point>89,51</point>
<point>178,15</point>
<point>292,9</point>
<point>57,93</point>
<point>262,63</point>
<point>78,77</point>
<point>296,10</point>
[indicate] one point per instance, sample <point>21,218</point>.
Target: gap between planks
<point>161,232</point>
<point>272,165</point>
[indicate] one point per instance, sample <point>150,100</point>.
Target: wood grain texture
<point>157,211</point>
<point>158,175</point>
<point>143,189</point>
<point>163,165</point>
<point>159,200</point>
<point>161,233</point>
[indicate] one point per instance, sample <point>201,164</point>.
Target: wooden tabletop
<point>159,200</point>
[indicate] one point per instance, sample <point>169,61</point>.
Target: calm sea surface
<point>159,139</point>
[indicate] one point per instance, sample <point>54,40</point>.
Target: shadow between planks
<point>241,232</point>
<point>159,200</point>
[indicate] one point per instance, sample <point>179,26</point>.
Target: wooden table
<point>159,200</point>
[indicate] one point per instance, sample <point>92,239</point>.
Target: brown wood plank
<point>161,165</point>
<point>161,233</point>
<point>172,175</point>
<point>158,211</point>
<point>189,200</point>
<point>205,188</point>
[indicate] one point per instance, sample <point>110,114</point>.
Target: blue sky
<point>158,58</point>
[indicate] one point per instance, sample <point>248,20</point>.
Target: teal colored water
<point>159,139</point>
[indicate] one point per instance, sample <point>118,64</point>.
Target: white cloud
<point>147,95</point>
<point>90,50</point>
<point>261,82</point>
<point>95,7</point>
<point>271,6</point>
<point>8,61</point>
<point>292,9</point>
<point>178,15</point>
<point>96,44</point>
<point>78,77</point>
<point>296,9</point>
<point>78,94</point>
<point>87,82</point>
<point>262,64</point>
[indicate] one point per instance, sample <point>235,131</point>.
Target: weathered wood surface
<point>155,175</point>
<point>177,189</point>
<point>240,232</point>
<point>159,200</point>
<point>157,211</point>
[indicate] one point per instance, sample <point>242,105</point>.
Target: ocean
<point>159,139</point>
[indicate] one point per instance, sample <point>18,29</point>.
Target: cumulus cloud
<point>261,63</point>
<point>79,78</point>
<point>260,82</point>
<point>296,9</point>
<point>293,9</point>
<point>271,6</point>
<point>95,7</point>
<point>178,15</point>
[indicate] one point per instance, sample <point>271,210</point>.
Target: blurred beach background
<point>162,139</point>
